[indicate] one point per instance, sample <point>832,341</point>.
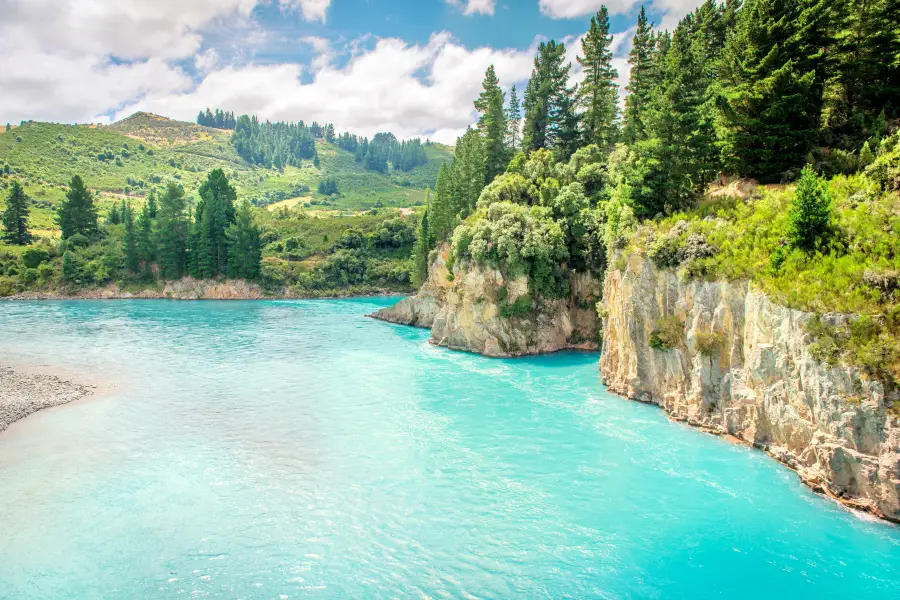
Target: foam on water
<point>297,449</point>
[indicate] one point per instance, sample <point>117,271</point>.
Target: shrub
<point>709,343</point>
<point>32,257</point>
<point>668,333</point>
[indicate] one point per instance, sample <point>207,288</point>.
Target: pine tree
<point>244,245</point>
<point>151,204</point>
<point>467,175</point>
<point>598,93</point>
<point>15,216</point>
<point>769,113</point>
<point>76,213</point>
<point>865,76</point>
<point>550,119</point>
<point>493,125</point>
<point>422,246</point>
<point>640,84</point>
<point>130,242</point>
<point>215,212</point>
<point>146,246</point>
<point>114,216</point>
<point>514,120</point>
<point>810,215</point>
<point>172,233</point>
<point>440,223</point>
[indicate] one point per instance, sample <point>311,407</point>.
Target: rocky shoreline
<point>23,393</point>
<point>758,382</point>
<point>192,289</point>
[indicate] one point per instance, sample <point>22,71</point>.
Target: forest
<point>279,144</point>
<point>798,100</point>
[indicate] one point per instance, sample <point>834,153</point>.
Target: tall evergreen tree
<point>769,115</point>
<point>172,233</point>
<point>152,205</point>
<point>146,246</point>
<point>15,216</point>
<point>130,242</point>
<point>215,212</point>
<point>77,213</point>
<point>865,73</point>
<point>640,83</point>
<point>550,118</point>
<point>440,223</point>
<point>493,125</point>
<point>467,174</point>
<point>244,246</point>
<point>514,121</point>
<point>598,93</point>
<point>422,246</point>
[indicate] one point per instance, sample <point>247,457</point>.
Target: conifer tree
<point>550,118</point>
<point>865,76</point>
<point>422,246</point>
<point>15,216</point>
<point>77,213</point>
<point>640,84</point>
<point>130,242</point>
<point>152,204</point>
<point>172,233</point>
<point>810,215</point>
<point>514,120</point>
<point>244,246</point>
<point>493,125</point>
<point>215,212</point>
<point>467,175</point>
<point>598,93</point>
<point>146,248</point>
<point>769,115</point>
<point>440,221</point>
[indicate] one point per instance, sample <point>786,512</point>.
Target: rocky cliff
<point>743,367</point>
<point>478,310</point>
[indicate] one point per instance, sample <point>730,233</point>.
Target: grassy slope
<point>45,156</point>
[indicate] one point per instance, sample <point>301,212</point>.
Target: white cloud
<point>313,10</point>
<point>570,9</point>
<point>671,10</point>
<point>471,7</point>
<point>408,89</point>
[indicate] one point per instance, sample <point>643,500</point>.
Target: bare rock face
<point>757,381</point>
<point>466,313</point>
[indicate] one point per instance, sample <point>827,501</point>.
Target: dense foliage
<point>219,119</point>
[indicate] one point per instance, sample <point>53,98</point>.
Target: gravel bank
<point>23,393</point>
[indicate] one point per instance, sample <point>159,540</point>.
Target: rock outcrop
<point>755,379</point>
<point>471,311</point>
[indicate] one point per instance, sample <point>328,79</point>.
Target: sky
<point>411,67</point>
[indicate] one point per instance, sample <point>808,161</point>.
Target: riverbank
<point>200,289</point>
<point>24,392</point>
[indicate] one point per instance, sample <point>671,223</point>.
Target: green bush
<point>709,343</point>
<point>668,333</point>
<point>32,257</point>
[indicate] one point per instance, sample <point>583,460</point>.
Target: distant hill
<point>145,151</point>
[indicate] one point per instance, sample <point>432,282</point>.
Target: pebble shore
<point>23,393</point>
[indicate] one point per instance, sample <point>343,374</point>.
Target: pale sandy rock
<point>832,424</point>
<point>463,312</point>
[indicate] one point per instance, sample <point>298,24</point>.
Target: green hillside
<point>146,151</point>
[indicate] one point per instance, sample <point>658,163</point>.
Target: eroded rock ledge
<point>466,313</point>
<point>834,425</point>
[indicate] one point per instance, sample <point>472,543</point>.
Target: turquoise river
<point>297,449</point>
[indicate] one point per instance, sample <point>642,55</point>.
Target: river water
<point>297,449</point>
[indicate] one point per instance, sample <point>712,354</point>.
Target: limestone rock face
<point>465,313</point>
<point>759,383</point>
